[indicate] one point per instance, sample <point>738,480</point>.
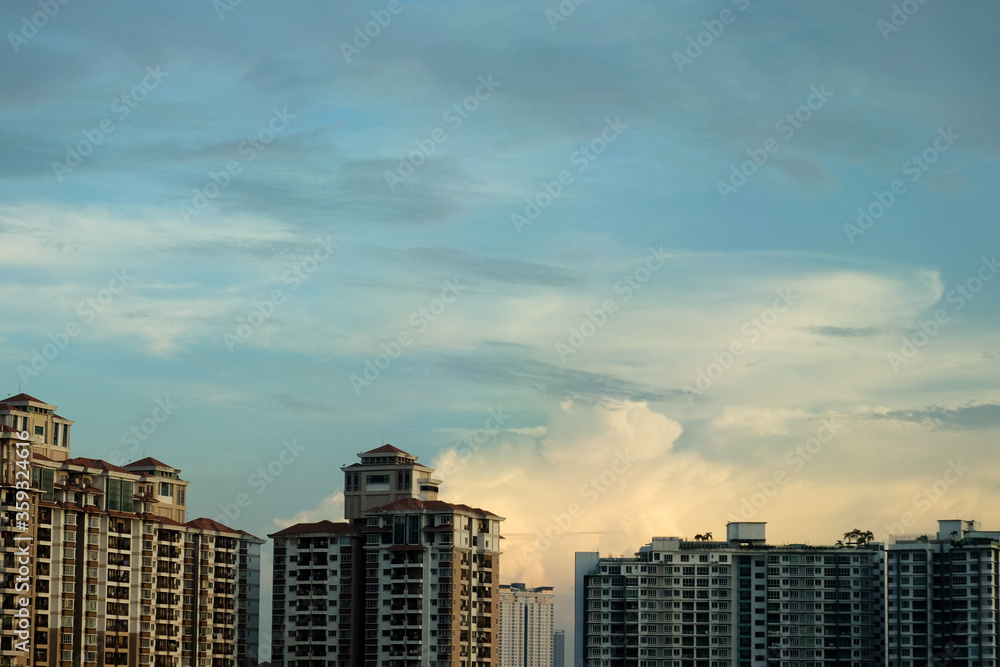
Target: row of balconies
<point>307,559</point>
<point>406,620</point>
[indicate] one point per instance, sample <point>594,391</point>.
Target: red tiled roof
<point>20,398</point>
<point>96,463</point>
<point>387,449</point>
<point>148,462</point>
<point>170,522</point>
<point>209,524</point>
<point>41,457</point>
<point>432,505</point>
<point>324,526</point>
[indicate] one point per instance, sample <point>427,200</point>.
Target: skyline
<point>615,271</point>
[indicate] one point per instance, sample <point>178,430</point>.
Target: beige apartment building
<point>407,581</point>
<point>526,620</point>
<point>99,565</point>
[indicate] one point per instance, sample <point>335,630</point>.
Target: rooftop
<point>430,506</point>
<point>96,464</point>
<point>318,527</point>
<point>150,462</point>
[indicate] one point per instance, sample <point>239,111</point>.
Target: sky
<point>615,269</point>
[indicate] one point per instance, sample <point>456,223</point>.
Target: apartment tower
<point>526,617</point>
<point>100,566</point>
<point>407,581</point>
<point>559,648</point>
<point>735,602</point>
<point>942,597</point>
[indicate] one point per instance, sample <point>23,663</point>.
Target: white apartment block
<point>929,599</point>
<point>738,602</point>
<point>314,621</point>
<point>526,620</point>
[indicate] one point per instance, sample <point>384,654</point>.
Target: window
<point>119,495</point>
<point>406,529</point>
<point>42,478</point>
<point>166,489</point>
<point>378,479</point>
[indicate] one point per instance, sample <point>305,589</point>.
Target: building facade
<point>100,567</point>
<point>740,602</point>
<point>525,628</point>
<point>920,600</point>
<point>559,648</point>
<point>942,599</point>
<point>422,588</point>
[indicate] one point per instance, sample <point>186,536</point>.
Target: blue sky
<point>630,229</point>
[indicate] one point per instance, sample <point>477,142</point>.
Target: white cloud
<point>758,422</point>
<point>330,508</point>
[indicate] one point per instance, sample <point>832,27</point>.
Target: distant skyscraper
<point>410,581</point>
<point>559,648</point>
<point>525,626</point>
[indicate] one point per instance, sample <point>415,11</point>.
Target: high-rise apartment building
<point>942,597</point>
<point>923,599</point>
<point>739,602</point>
<point>407,581</point>
<point>99,566</point>
<point>559,648</point>
<point>525,628</point>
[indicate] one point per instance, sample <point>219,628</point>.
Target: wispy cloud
<point>966,417</point>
